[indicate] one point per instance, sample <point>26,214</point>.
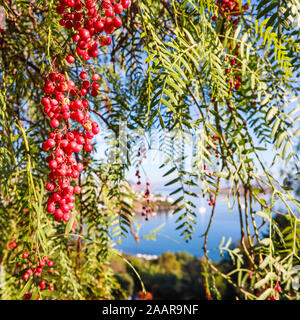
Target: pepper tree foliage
<point>166,68</point>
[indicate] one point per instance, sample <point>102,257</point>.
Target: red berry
<point>46,102</point>
<point>83,75</point>
<point>58,214</point>
<point>99,26</point>
<point>117,22</point>
<point>84,34</point>
<point>50,186</point>
<point>27,295</point>
<point>56,196</point>
<point>77,190</point>
<point>94,93</point>
<point>50,263</point>
<point>52,164</point>
<point>89,135</point>
<point>108,26</point>
<point>80,140</point>
<point>42,284</point>
<point>70,58</point>
<point>106,4</point>
<point>118,8</point>
<point>71,3</point>
<point>60,9</point>
<point>95,130</point>
<point>96,77</point>
<point>42,264</point>
<point>25,276</point>
<point>29,271</point>
<point>75,173</point>
<point>79,168</point>
<point>93,53</point>
<point>88,147</point>
<point>51,143</point>
<point>125,3</point>
<point>51,207</point>
<point>109,13</point>
<point>67,216</point>
<point>86,84</point>
<point>54,123</point>
<point>76,37</point>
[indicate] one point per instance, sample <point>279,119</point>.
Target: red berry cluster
<point>215,138</point>
<point>87,84</point>
<point>142,155</point>
<point>11,245</point>
<point>147,209</point>
<point>276,295</point>
<point>90,20</point>
<point>64,100</point>
<point>211,200</point>
<point>63,142</point>
<point>230,9</point>
<point>278,288</point>
<point>34,269</point>
<point>233,69</point>
<point>137,174</point>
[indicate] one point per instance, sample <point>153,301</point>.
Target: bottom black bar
<point>94,310</point>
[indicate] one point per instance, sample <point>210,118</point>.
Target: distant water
<point>225,223</point>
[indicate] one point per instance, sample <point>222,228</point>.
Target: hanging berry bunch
<point>230,10</point>
<point>146,208</point>
<point>63,142</point>
<point>91,22</point>
<point>233,68</point>
<point>142,154</point>
<point>12,244</point>
<point>211,199</point>
<point>36,270</point>
<point>64,103</point>
<point>137,174</point>
<point>87,84</point>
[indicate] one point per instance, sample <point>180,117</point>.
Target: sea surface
<point>159,234</point>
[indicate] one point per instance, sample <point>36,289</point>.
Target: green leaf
<point>70,223</point>
<point>25,288</point>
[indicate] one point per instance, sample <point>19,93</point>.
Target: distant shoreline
<point>163,203</point>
